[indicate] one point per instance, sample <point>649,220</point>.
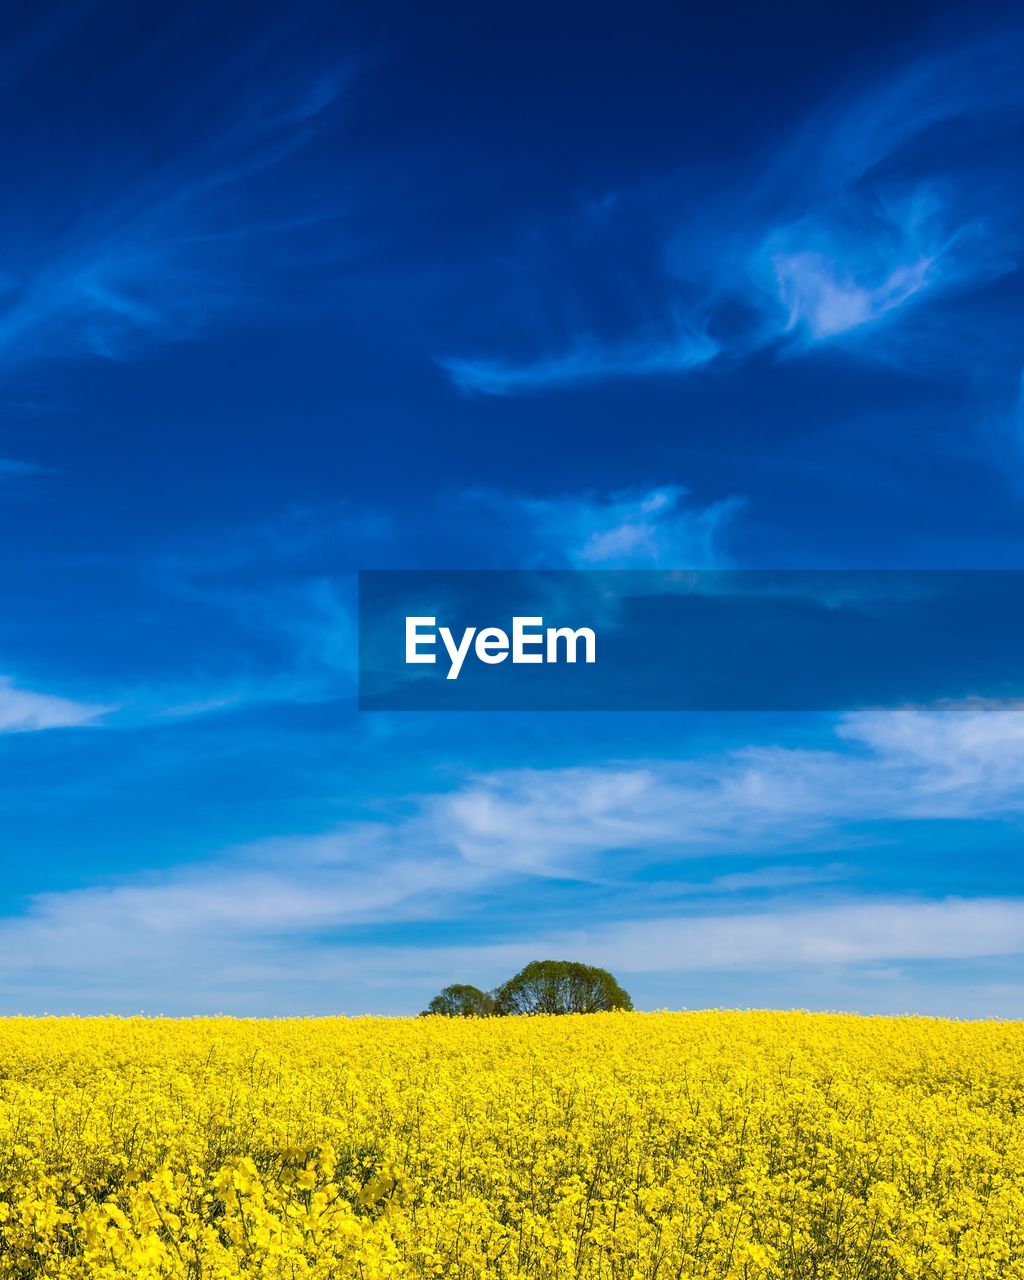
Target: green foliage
<point>545,986</point>
<point>561,986</point>
<point>461,1000</point>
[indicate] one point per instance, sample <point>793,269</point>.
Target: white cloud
<point>659,528</point>
<point>862,931</point>
<point>20,468</point>
<point>590,361</point>
<point>839,271</point>
<point>855,219</point>
<point>271,925</point>
<point>304,597</point>
<point>206,950</point>
<point>962,761</point>
<point>817,299</point>
<point>856,931</point>
<point>156,246</point>
<point>22,711</point>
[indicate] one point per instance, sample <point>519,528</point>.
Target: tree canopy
<point>545,986</point>
<point>561,986</point>
<point>460,1000</point>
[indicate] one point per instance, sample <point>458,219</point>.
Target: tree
<point>461,1001</point>
<point>560,986</point>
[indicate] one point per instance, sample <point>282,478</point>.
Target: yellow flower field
<point>613,1145</point>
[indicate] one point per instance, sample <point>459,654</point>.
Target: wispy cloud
<point>853,222</point>
<point>160,239</point>
<point>275,602</point>
<point>326,904</point>
<point>962,761</point>
<point>589,361</point>
<point>23,711</point>
<point>833,279</point>
<point>852,932</point>
<point>20,469</point>
<point>638,529</point>
<point>258,946</point>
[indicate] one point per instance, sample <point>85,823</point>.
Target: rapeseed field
<point>612,1146</point>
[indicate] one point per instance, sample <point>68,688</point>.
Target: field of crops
<point>613,1145</point>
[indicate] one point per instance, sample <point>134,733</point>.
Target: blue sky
<point>287,295</point>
